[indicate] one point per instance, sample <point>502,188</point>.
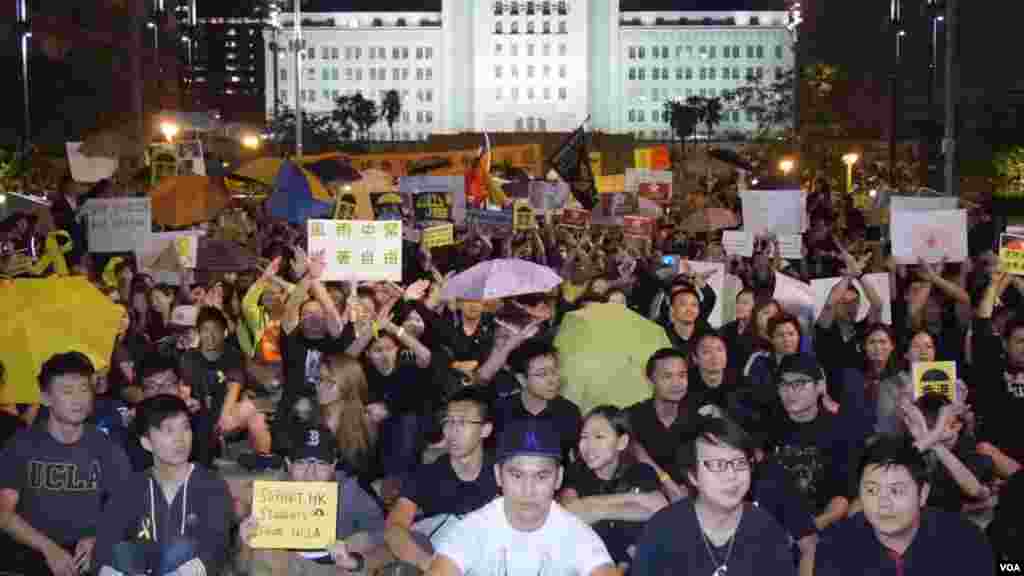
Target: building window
<point>712,73</point>
<point>515,71</point>
<point>497,93</point>
<point>284,75</point>
<point>529,50</point>
<point>562,50</point>
<point>310,74</point>
<point>530,94</point>
<point>632,52</point>
<point>348,74</point>
<point>726,51</point>
<point>640,52</point>
<point>430,74</point>
<point>373,74</point>
<point>547,71</point>
<point>711,52</point>
<point>632,74</point>
<point>655,52</point>
<point>689,73</point>
<point>405,52</point>
<point>778,73</point>
<point>373,52</point>
<point>326,95</point>
<point>325,74</point>
<point>497,49</point>
<point>514,28</point>
<point>546,51</point>
<point>563,27</point>
<point>546,27</point>
<point>679,73</point>
<point>760,72</point>
<point>396,74</point>
<point>429,51</point>
<point>515,50</point>
<point>654,94</point>
<point>631,116</point>
<point>664,52</point>
<point>348,53</point>
<point>311,95</point>
<point>396,53</point>
<point>760,51</point>
<point>419,53</point>
<point>519,124</point>
<point>284,95</point>
<point>655,73</point>
<point>530,29</point>
<point>419,74</point>
<point>531,71</point>
<point>725,73</point>
<point>497,27</point>
<point>497,71</point>
<point>563,71</point>
<point>563,93</point>
<point>359,74</point>
<point>641,74</point>
<point>310,53</point>
<point>778,51</point>
<point>655,116</point>
<point>430,95</point>
<point>325,52</point>
<point>679,51</point>
<point>547,93</point>
<point>419,116</point>
<point>514,92</point>
<point>640,116</point>
<point>405,73</point>
<point>664,73</point>
<point>736,73</point>
<point>529,124</point>
<point>703,73</point>
<point>750,51</point>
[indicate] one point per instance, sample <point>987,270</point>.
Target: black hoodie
<point>201,512</point>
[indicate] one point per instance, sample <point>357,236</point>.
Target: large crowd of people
<point>769,445</point>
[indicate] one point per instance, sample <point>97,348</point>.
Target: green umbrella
<point>603,350</point>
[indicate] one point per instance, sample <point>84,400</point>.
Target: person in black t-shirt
<point>810,442</point>
<point>216,372</point>
<point>441,492</point>
<point>666,421</point>
<point>606,488</point>
<point>10,423</point>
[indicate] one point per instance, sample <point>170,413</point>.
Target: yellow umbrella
<point>603,350</point>
<point>264,170</point>
<point>47,316</point>
<point>186,200</point>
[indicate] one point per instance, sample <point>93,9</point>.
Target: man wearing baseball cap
<point>360,531</point>
<point>525,531</point>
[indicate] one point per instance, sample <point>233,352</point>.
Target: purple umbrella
<point>500,279</point>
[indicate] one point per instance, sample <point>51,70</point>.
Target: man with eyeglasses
<point>438,494</point>
<point>715,533</point>
<point>810,442</point>
<point>540,396</point>
<point>896,535</point>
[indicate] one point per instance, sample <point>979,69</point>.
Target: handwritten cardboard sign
<point>738,243</point>
<point>438,236</point>
<point>358,249</point>
<point>574,218</point>
<point>934,377</point>
<point>294,515</point>
<point>1011,254</point>
<point>434,199</point>
<point>118,224</point>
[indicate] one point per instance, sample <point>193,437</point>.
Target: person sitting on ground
<point>525,531</point>
<point>180,510</point>
<point>359,532</point>
<point>896,534</point>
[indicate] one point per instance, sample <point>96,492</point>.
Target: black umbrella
<point>731,157</point>
<point>427,165</point>
<point>333,170</point>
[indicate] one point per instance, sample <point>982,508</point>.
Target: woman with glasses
<point>715,533</point>
<point>606,488</point>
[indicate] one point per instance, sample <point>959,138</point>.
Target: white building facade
<point>499,65</point>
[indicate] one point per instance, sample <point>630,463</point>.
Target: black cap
<point>530,437</point>
<point>801,364</point>
<point>309,442</point>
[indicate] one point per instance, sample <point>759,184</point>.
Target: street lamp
<point>169,130</point>
<point>251,141</point>
<point>786,166</point>
<point>850,159</point>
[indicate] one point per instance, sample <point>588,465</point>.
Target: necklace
<point>723,568</point>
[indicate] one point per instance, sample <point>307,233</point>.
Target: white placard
<point>118,224</point>
<point>880,282</point>
<point>89,169</point>
<point>358,249</point>
<point>772,211</point>
<point>548,196</point>
<point>922,204</point>
<point>653,184</point>
<point>716,281</point>
<point>796,297</point>
<point>738,243</point>
<point>147,254</point>
<point>931,235</point>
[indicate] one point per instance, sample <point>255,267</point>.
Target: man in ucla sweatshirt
<point>173,518</point>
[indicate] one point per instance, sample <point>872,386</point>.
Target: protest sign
<point>822,287</point>
<point>118,224</point>
<point>738,243</point>
<point>652,158</point>
<point>574,218</point>
<point>934,377</point>
<point>934,235</point>
<point>654,185</point>
<point>922,204</point>
<point>294,515</point>
<point>772,211</point>
<point>358,249</point>
<point>638,227</point>
<point>522,216</point>
<point>547,197</point>
<point>89,169</point>
<point>796,297</point>
<point>186,246</point>
<point>596,163</point>
<point>434,199</point>
<point>717,283</point>
<point>438,236</point>
<point>496,223</point>
<point>1011,254</point>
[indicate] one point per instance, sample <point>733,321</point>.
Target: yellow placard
<point>937,377</point>
<point>1011,254</point>
<point>294,515</point>
<point>596,164</point>
<point>522,216</point>
<point>437,236</point>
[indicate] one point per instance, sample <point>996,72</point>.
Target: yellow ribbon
<point>53,253</point>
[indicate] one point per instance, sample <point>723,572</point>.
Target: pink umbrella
<point>502,278</point>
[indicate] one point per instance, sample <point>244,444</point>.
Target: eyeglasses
<point>797,384</point>
<point>897,491</point>
<point>719,465</point>
<point>458,422</point>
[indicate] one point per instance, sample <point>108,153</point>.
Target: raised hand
<point>273,268</point>
<point>417,290</point>
<point>316,264</point>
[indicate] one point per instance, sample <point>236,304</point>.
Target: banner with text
<point>118,224</point>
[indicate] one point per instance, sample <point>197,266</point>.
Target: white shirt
<point>484,544</point>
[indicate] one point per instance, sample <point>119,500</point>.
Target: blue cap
<point>530,437</point>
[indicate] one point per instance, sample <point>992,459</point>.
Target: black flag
<point>572,163</point>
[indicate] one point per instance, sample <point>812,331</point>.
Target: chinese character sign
<point>294,515</point>
<point>654,185</point>
<point>934,377</point>
<point>1011,254</point>
<point>358,249</point>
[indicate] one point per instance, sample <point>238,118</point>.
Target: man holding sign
<point>313,459</point>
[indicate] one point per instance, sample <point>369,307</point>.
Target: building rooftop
<point>322,6</point>
<point>700,5</point>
